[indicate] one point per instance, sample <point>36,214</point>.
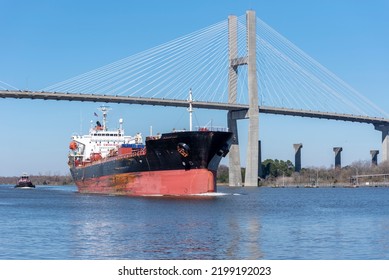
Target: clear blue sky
<point>44,42</point>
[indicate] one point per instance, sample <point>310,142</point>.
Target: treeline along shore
<point>278,173</point>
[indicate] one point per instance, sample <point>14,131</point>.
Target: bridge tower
<point>251,177</point>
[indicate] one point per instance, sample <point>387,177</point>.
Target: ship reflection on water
<point>237,223</point>
<point>245,239</point>
<point>163,228</point>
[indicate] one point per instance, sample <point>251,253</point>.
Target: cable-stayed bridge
<point>240,65</point>
<point>19,94</point>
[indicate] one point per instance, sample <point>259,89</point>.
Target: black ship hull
<point>174,164</point>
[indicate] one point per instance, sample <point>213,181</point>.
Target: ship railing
<point>212,128</point>
<point>179,130</point>
<point>205,128</point>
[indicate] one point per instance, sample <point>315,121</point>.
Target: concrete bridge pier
<point>235,175</point>
<point>251,178</point>
<point>297,157</point>
<point>338,161</point>
<point>385,140</point>
<point>259,160</point>
<point>374,154</point>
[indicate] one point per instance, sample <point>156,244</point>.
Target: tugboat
<point>24,182</point>
<point>178,163</point>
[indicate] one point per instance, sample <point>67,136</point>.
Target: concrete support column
<point>297,157</point>
<point>385,140</point>
<point>259,159</point>
<point>233,57</point>
<point>374,154</point>
<point>338,160</point>
<point>235,175</point>
<point>251,178</point>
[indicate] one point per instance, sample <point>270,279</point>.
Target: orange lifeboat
<point>73,145</point>
<point>95,156</point>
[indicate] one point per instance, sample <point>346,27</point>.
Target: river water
<point>238,223</point>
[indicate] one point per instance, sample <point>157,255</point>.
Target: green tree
<point>222,174</point>
<point>276,168</point>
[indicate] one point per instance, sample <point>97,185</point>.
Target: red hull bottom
<point>172,182</point>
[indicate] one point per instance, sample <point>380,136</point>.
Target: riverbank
<point>52,180</point>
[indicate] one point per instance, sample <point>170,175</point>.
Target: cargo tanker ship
<point>176,163</point>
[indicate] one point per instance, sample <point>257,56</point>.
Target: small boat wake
<point>24,182</point>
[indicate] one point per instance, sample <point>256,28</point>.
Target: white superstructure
<point>101,142</point>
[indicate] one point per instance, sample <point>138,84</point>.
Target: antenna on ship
<point>190,109</point>
<point>104,110</point>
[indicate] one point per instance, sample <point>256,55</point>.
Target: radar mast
<point>105,109</point>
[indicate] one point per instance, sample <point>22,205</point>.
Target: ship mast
<point>190,109</point>
<point>104,110</point>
